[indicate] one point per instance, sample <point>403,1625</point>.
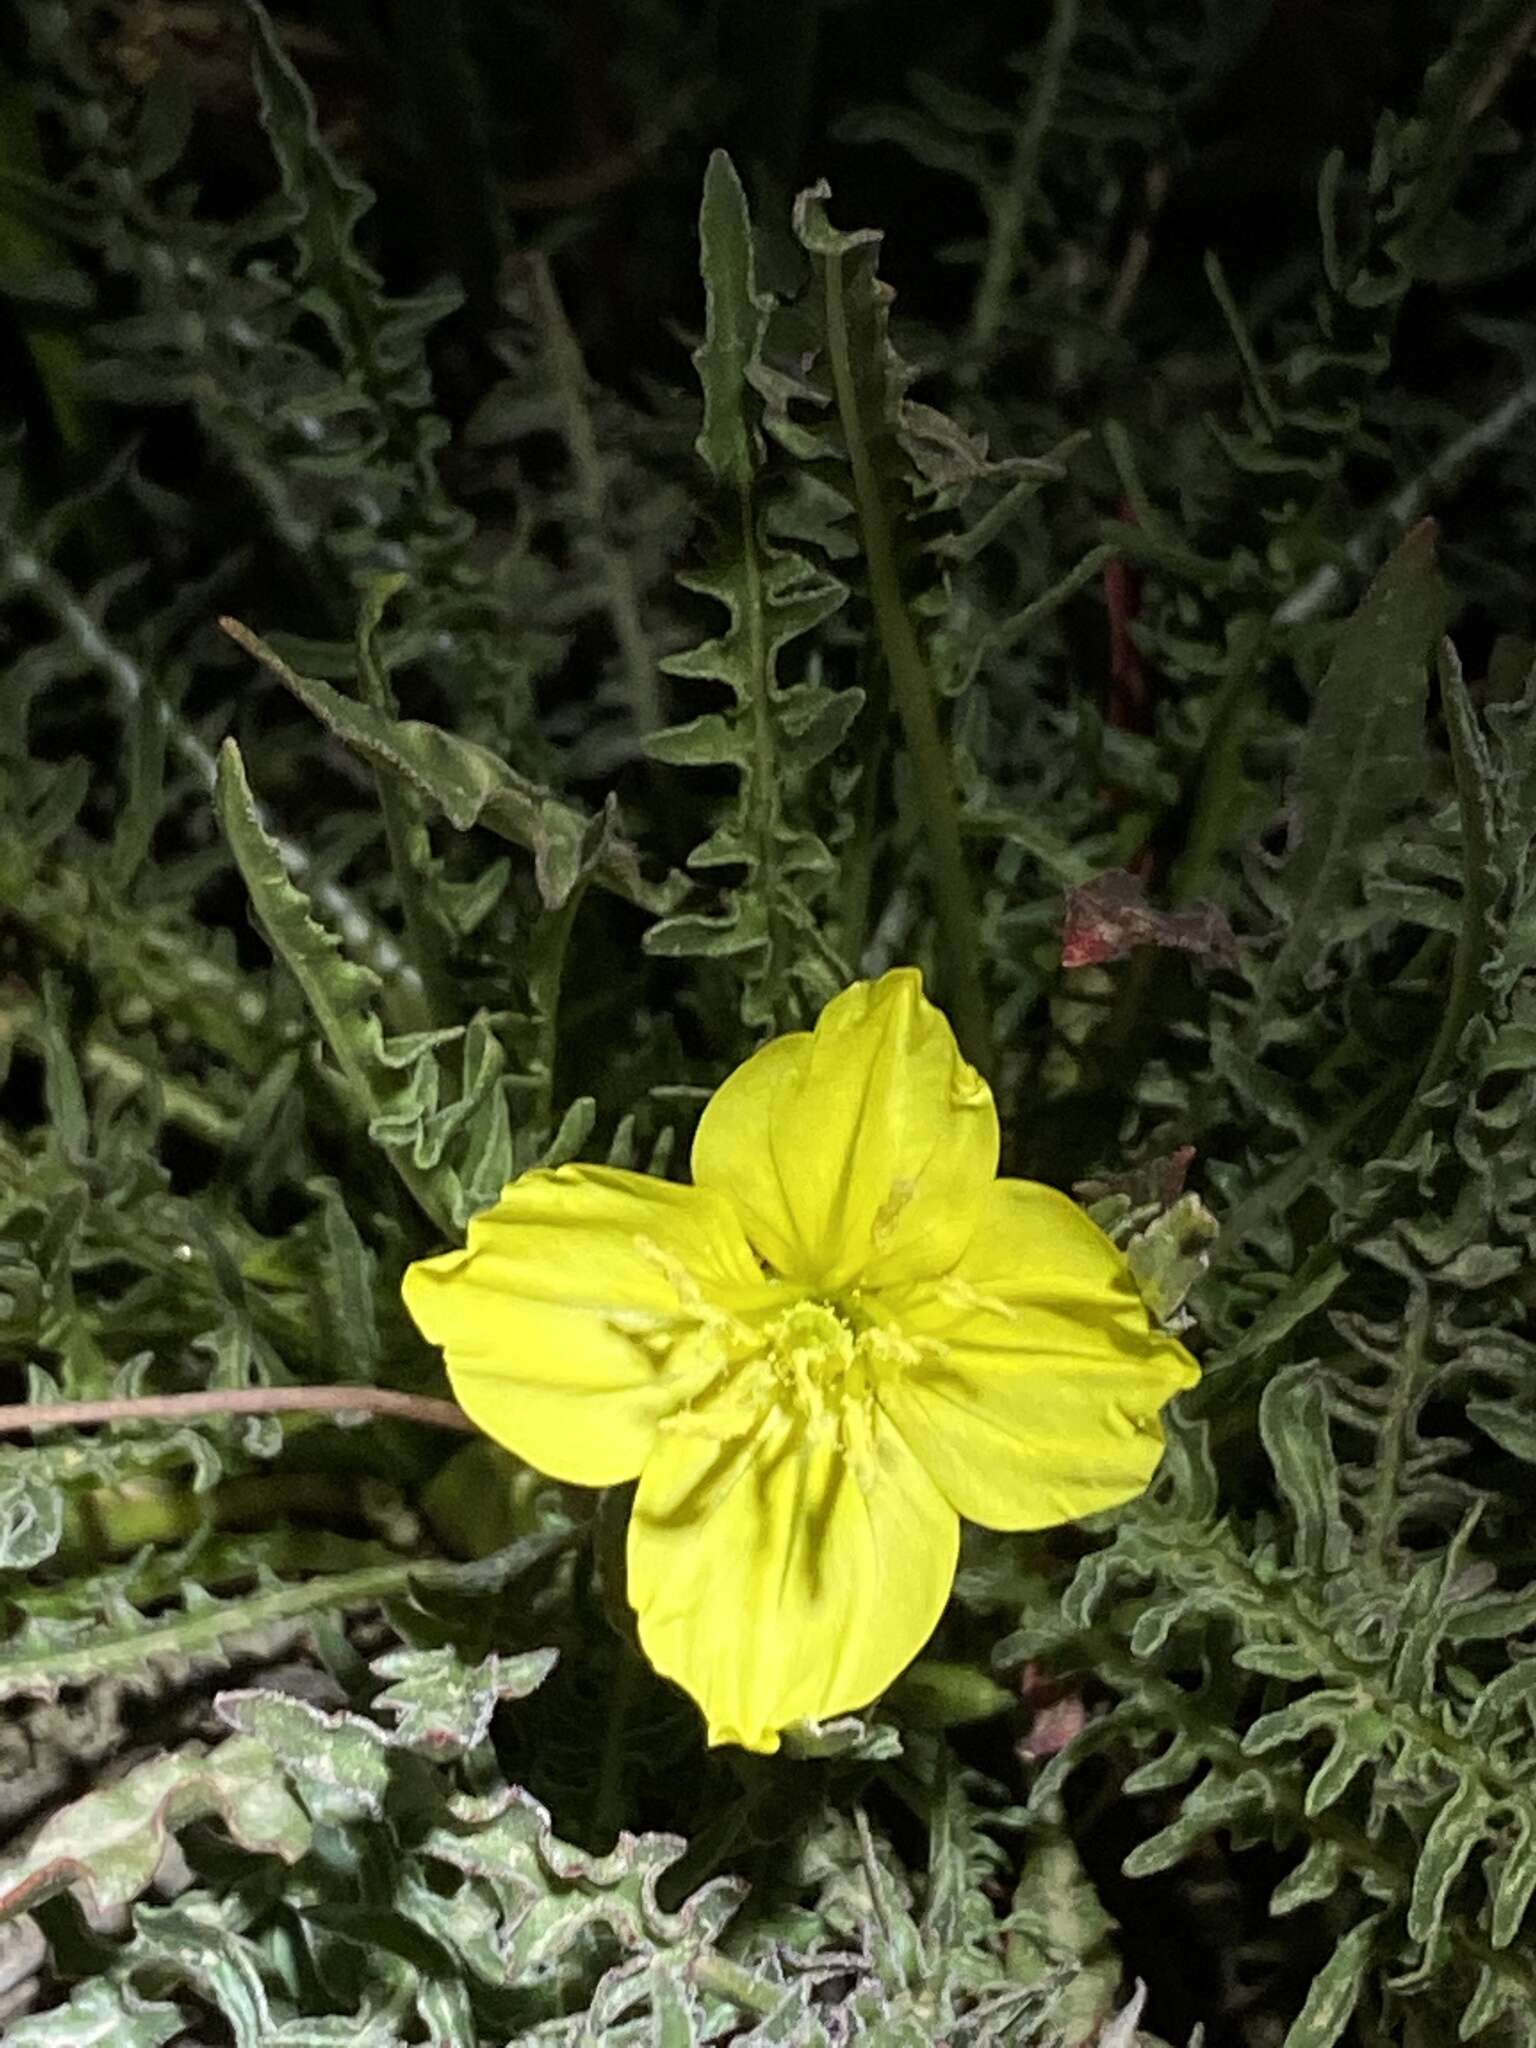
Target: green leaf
<point>103,2012</point>
<point>735,323</point>
<point>1496,1992</point>
<point>1335,1991</point>
<point>1511,1873</point>
<point>340,992</point>
<point>848,1737</point>
<point>1317,1876</point>
<point>1363,756</point>
<point>443,1706</point>
<point>574,1130</point>
<point>1057,1928</point>
<point>1294,1425</point>
<point>1168,1257</point>
<point>338,1763</point>
<point>192,1947</point>
<point>1359,1740</point>
<point>1455,1832</point>
<point>31,1521</point>
<point>348,1275</point>
<point>326,201</point>
<point>1214,1804</point>
<point>110,1842</point>
<point>554,1894</point>
<point>1477,935</point>
<point>471,786</point>
<point>68,1114</point>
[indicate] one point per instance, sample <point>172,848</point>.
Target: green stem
<point>608,1798</point>
<point>553,943</point>
<point>856,856</point>
<point>959,936</point>
<point>403,827</point>
<point>1009,212</point>
<point>763,788</point>
<point>1007,635</point>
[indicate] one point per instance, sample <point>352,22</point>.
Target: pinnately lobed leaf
<point>443,1706</point>
<point>775,595</point>
<point>110,1843</point>
<point>471,786</point>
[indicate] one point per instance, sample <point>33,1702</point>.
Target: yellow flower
<point>845,1335</point>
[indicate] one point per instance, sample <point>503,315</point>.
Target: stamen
<point>720,1422</point>
<point>690,1296</point>
<point>858,1441</point>
<point>961,1294</point>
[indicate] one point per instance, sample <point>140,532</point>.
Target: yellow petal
<point>1040,1399</point>
<point>773,1585</point>
<point>558,1317</point>
<point>858,1153</point>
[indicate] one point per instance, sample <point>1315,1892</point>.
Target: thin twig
<point>873,1875</point>
<point>1405,505</point>
<point>234,1401</point>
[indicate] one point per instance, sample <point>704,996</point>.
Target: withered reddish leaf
<point>1156,1182</point>
<point>1109,916</point>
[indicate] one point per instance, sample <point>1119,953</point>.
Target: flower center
<point>813,1355</point>
<point>815,1365</point>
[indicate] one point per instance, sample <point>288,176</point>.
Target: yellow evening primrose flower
<point>843,1337</point>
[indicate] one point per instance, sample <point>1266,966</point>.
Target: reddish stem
<point>234,1401</point>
